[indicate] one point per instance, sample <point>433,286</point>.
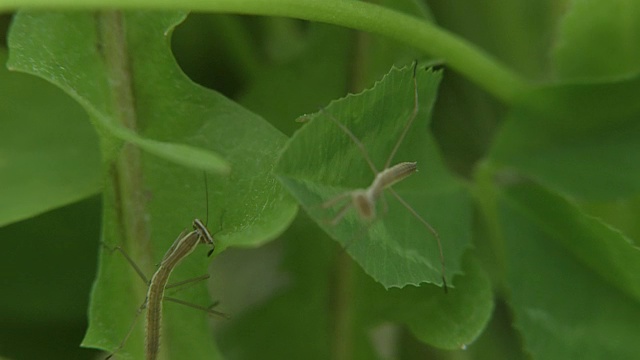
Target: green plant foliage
<point>321,162</point>
<point>598,40</point>
<point>168,106</point>
<point>566,306</point>
<point>446,321</point>
<point>258,331</point>
<point>580,139</point>
<point>601,248</point>
<point>80,44</point>
<point>325,52</point>
<point>527,168</point>
<point>49,152</point>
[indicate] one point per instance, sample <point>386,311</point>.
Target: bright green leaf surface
<point>599,40</point>
<point>499,340</point>
<point>563,308</point>
<point>40,50</point>
<point>248,205</point>
<point>579,139</point>
<point>321,162</point>
<point>48,151</point>
<point>307,311</point>
<point>603,249</point>
<point>571,280</point>
<point>448,321</point>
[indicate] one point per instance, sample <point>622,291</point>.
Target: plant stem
<point>342,336</point>
<point>126,171</point>
<point>343,286</point>
<point>459,54</point>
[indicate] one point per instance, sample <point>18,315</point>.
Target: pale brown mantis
<point>184,245</point>
<point>364,200</point>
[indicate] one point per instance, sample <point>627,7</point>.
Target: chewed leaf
<point>321,162</point>
<point>182,154</point>
<point>92,87</point>
<point>175,120</point>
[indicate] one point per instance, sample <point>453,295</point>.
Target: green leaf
<point>321,162</point>
<point>326,49</point>
<point>603,249</point>
<point>621,214</point>
<point>91,88</point>
<point>48,151</point>
<point>447,321</point>
<point>565,308</point>
<point>248,206</point>
<point>598,40</point>
<point>578,139</point>
<point>309,304</point>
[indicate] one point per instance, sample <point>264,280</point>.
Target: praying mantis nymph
<point>364,200</point>
<point>184,245</point>
<point>181,248</point>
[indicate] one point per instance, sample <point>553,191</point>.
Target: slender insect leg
<point>357,141</point>
<point>385,204</point>
<point>333,201</point>
<point>430,228</point>
<point>412,117</point>
<point>188,281</point>
<point>131,327</point>
<point>130,260</point>
<point>208,310</point>
<point>363,230</point>
<point>140,308</point>
<point>341,213</point>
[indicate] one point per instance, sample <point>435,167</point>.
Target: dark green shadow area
<point>48,264</point>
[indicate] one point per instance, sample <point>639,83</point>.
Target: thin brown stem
<point>342,307</point>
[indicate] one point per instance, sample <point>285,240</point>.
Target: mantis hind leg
<point>431,230</point>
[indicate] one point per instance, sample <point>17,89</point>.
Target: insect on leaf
<point>321,162</point>
<point>178,124</point>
